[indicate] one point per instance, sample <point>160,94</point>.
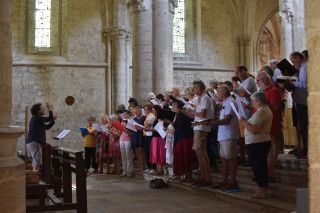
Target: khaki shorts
<point>228,149</point>
<point>200,140</point>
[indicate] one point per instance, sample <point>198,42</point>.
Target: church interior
<point>87,57</point>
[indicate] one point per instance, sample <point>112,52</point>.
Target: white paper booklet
<point>235,109</point>
<point>130,125</point>
<point>160,129</point>
<point>62,134</point>
<point>243,88</point>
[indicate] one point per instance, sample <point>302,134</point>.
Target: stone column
<point>286,16</point>
<point>142,62</point>
<point>120,37</point>
<point>163,41</point>
<point>12,174</point>
<point>313,43</point>
<point>5,62</point>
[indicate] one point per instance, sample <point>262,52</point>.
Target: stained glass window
<point>179,28</point>
<point>42,23</point>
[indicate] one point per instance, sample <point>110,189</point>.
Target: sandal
<point>219,185</point>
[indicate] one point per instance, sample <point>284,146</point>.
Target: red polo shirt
<point>273,96</point>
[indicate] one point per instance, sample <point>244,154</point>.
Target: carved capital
<point>173,4</point>
<point>116,33</point>
<point>244,40</point>
<point>286,12</point>
<point>139,5</point>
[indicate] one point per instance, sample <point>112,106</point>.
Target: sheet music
<point>235,109</point>
<point>104,128</point>
<point>154,102</point>
<point>134,123</point>
<point>242,99</point>
<point>160,129</point>
<point>290,78</point>
<point>243,88</point>
<point>187,105</point>
<point>62,134</point>
<point>96,127</point>
<point>130,125</point>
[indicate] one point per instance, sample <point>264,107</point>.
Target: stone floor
<point>115,194</point>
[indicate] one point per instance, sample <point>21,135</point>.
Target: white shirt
<point>277,72</point>
<point>231,130</point>
<point>204,103</point>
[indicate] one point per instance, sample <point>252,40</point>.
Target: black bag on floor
<point>158,183</point>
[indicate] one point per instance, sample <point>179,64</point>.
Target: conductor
<point>36,139</point>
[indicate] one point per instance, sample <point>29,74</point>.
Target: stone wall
<point>183,77</point>
<point>79,70</point>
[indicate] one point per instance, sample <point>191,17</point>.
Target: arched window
<point>186,30</point>
<point>179,29</point>
<point>43,21</point>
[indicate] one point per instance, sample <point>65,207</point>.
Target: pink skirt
<point>157,151</point>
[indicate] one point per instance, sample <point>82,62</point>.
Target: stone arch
<point>268,39</point>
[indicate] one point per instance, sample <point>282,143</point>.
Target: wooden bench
<point>58,187</point>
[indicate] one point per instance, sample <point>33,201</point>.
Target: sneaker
<point>131,175</point>
<point>123,175</point>
<point>151,172</point>
<point>146,170</point>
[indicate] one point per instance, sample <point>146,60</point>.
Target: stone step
<point>244,199</point>
<point>290,162</point>
<point>296,178</point>
<point>281,191</point>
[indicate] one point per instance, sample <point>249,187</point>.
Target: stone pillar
<point>142,58</point>
<point>5,62</point>
<point>299,30</point>
<point>313,43</point>
<point>120,37</point>
<point>12,171</point>
<point>286,16</point>
<point>12,174</point>
<point>163,41</point>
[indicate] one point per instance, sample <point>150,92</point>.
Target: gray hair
<point>259,96</point>
<point>200,84</point>
<point>225,89</point>
<point>213,81</point>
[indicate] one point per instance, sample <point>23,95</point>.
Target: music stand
<point>61,135</point>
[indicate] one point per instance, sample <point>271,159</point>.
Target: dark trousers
<point>302,115</point>
<point>147,144</point>
<point>257,154</point>
<point>90,157</point>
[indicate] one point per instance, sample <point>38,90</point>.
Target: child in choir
<point>114,145</point>
<point>89,143</point>
<point>102,135</point>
